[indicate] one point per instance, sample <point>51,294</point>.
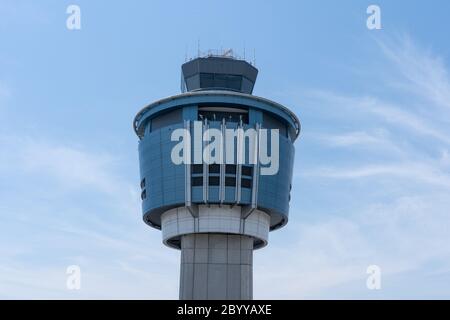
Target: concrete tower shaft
<point>216,212</point>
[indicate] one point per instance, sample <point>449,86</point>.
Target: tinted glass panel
<point>246,183</point>
<point>217,80</point>
<point>214,168</point>
<point>230,182</point>
<point>197,168</point>
<point>230,168</point>
<point>247,171</point>
<point>206,80</point>
<point>197,181</point>
<point>214,181</point>
<point>228,81</point>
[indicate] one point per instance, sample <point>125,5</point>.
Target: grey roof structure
<point>219,72</point>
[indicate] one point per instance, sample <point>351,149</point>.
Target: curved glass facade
<point>166,185</point>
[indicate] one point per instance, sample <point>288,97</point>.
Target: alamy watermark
<point>73,281</point>
<point>73,21</point>
<point>374,20</point>
<point>373,281</point>
<point>228,146</point>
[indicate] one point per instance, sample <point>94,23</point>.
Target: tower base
<point>216,267</point>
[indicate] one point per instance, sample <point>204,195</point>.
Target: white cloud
<point>78,211</point>
<point>398,236</point>
<point>416,172</point>
<point>66,169</point>
<point>121,257</point>
<point>392,113</point>
<point>404,228</point>
<point>379,139</point>
<point>426,73</point>
<point>72,167</point>
<point>352,138</point>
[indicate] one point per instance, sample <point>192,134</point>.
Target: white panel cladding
<point>214,219</point>
<point>227,261</point>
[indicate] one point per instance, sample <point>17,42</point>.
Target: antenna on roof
<point>228,53</point>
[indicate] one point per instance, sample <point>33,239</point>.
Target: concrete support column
<point>216,266</point>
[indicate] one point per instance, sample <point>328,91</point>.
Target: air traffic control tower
<point>215,213</point>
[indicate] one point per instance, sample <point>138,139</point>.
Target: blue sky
<point>372,169</point>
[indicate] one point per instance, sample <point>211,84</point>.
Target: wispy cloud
<point>102,233</point>
<point>416,172</point>
<point>328,258</point>
<point>394,114</point>
<point>71,205</point>
<point>72,167</point>
<point>378,139</point>
<point>352,138</point>
<point>425,72</point>
<point>398,141</point>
